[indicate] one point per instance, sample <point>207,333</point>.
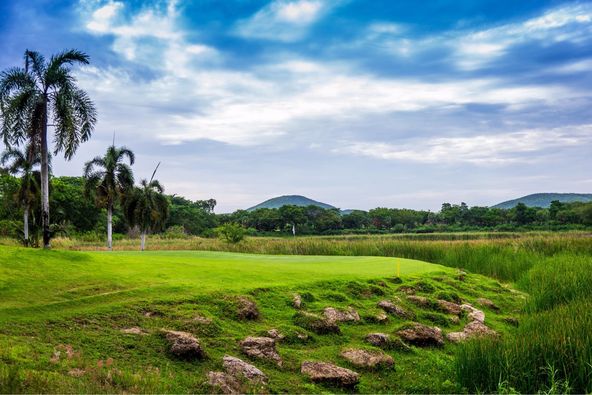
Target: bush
<point>175,232</point>
<point>231,232</point>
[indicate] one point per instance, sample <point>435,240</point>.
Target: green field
<point>52,301</point>
<point>35,282</point>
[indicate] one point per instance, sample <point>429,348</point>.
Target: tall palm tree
<point>40,92</point>
<point>147,208</point>
<point>23,163</point>
<point>109,180</point>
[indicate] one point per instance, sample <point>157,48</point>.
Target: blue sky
<point>355,103</point>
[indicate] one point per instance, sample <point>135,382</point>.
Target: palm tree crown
<point>148,208</point>
<point>107,177</point>
<point>41,91</point>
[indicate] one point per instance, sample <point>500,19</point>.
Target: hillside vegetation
<point>545,199</point>
<point>290,200</point>
<point>92,322</point>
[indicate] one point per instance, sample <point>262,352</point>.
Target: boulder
<point>449,307</point>
<point>202,320</point>
<point>407,289</point>
<point>422,335</point>
<point>381,317</point>
<point>392,308</point>
<point>240,369</point>
<point>381,340</point>
<point>472,329</point>
<point>184,345</point>
<point>315,323</point>
<point>261,347</point>
<point>247,309</point>
<point>226,383</point>
<point>367,359</point>
<point>134,331</point>
<point>334,315</point>
<point>329,373</point>
<point>297,301</point>
<point>487,303</point>
<point>473,313</point>
<point>420,301</point>
<point>275,334</point>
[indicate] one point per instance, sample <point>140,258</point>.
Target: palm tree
<point>31,96</point>
<point>109,179</point>
<point>23,163</point>
<point>147,208</point>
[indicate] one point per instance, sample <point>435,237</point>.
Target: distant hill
<point>545,199</point>
<point>289,200</point>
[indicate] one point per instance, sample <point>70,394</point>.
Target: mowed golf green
<point>46,284</point>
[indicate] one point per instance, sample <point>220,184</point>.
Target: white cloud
<point>571,23</point>
<point>284,20</point>
<point>490,149</point>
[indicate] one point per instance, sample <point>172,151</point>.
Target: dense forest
<point>75,214</point>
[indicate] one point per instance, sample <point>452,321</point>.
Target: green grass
<point>53,299</point>
<point>32,281</point>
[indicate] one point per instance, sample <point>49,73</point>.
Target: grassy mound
<point>62,316</point>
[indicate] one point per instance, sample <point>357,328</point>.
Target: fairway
<point>35,282</point>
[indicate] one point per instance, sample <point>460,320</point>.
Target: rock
<point>151,314</point>
<point>247,309</point>
<point>261,347</point>
<point>275,334</point>
<point>461,275</point>
<point>334,315</point>
<point>76,372</point>
<point>134,331</point>
<point>224,382</point>
<point>392,308</point>
<point>237,367</point>
<point>487,303</point>
<point>473,313</point>
<point>422,335</point>
<point>297,301</point>
<point>420,301</point>
<point>367,359</point>
<point>454,320</point>
<point>202,320</point>
<point>381,317</point>
<point>184,345</point>
<point>329,373</point>
<point>472,329</point>
<point>313,322</point>
<point>449,307</point>
<point>407,289</point>
<point>378,339</point>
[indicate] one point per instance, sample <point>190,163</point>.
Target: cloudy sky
<point>352,102</point>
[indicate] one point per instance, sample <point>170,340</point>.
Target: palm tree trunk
<point>26,225</point>
<point>142,240</point>
<point>110,227</point>
<point>45,180</point>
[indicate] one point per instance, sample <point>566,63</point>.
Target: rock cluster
<point>237,373</point>
<point>475,328</point>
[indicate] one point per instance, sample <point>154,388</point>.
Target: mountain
<point>294,200</point>
<point>545,199</point>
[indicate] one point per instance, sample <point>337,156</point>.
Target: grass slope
<point>59,301</point>
<point>289,200</point>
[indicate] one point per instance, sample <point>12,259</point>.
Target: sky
<point>356,103</point>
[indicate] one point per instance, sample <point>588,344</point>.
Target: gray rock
<point>184,345</point>
<point>367,359</point>
<point>261,347</point>
<point>329,373</point>
<point>392,308</point>
<point>422,335</point>
<point>241,369</point>
<point>334,315</point>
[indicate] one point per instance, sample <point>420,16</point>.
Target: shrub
<point>231,232</point>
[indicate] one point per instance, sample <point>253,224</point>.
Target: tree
<point>148,208</point>
<point>23,163</point>
<point>109,180</point>
<point>30,96</point>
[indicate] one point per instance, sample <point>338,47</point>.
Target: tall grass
<point>506,259</point>
<point>554,341</point>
